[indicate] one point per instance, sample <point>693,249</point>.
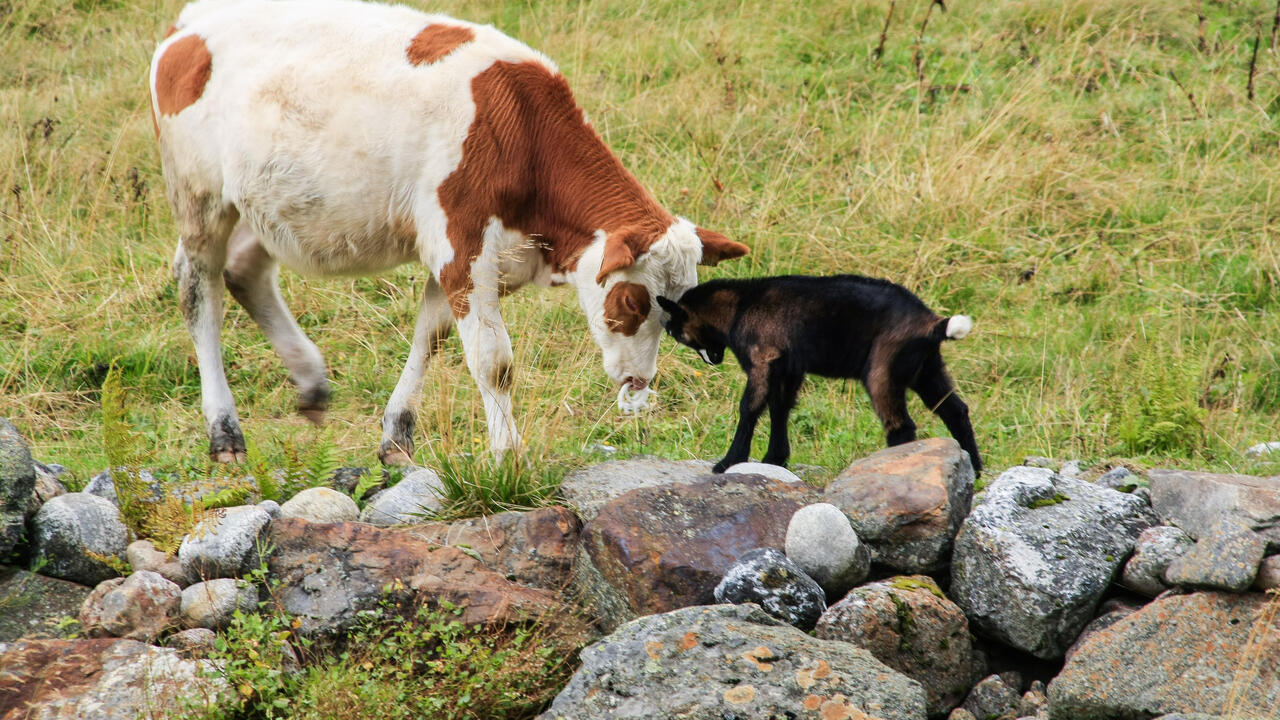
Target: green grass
<point>1115,240</point>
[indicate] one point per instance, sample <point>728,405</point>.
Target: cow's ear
<point>717,247</point>
<point>621,248</point>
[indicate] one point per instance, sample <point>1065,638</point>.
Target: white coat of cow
<point>340,137</point>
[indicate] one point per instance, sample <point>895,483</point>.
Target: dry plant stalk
<point>884,32</point>
<point>1253,61</point>
<point>1201,45</point>
<point>918,56</point>
<point>1191,98</point>
<point>1275,25</point>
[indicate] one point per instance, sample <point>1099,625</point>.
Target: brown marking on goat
<point>531,160</point>
<point>436,41</point>
<point>626,307</point>
<point>181,74</point>
<point>887,399</point>
<point>760,356</point>
<point>500,377</point>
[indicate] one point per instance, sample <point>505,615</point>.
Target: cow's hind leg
<point>430,330</point>
<point>250,275</point>
<point>205,226</point>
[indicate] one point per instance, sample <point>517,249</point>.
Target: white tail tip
<point>959,326</point>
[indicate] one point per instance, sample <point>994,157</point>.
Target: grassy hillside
<point>1088,179</point>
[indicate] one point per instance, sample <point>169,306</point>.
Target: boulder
<point>661,548</point>
<point>1155,549</point>
<point>32,606</point>
<point>1203,652</point>
<point>73,535</point>
<point>535,548</point>
<point>1263,449</point>
<point>1109,613</point>
<point>139,607</point>
<point>192,643</point>
<point>823,544</point>
<point>1198,501</point>
<point>907,502</point>
<point>212,604</point>
<point>412,500</point>
<point>47,487</point>
<point>1034,558</point>
<point>321,504</point>
<point>1226,558</point>
<point>588,489</point>
<point>766,577</point>
<point>1268,574</point>
<point>328,573</point>
<point>103,679</point>
<point>17,483</point>
<point>226,544</point>
<point>995,696</point>
<point>143,555</point>
<point>773,472</point>
<point>909,625</point>
<point>104,486</point>
<point>730,661</point>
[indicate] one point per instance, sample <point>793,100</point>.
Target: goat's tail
<point>952,328</point>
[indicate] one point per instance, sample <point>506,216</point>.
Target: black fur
<point>844,326</point>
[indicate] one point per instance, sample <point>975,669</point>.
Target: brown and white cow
<point>341,137</point>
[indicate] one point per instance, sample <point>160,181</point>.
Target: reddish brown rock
<point>139,607</point>
<point>532,548</point>
<point>104,679</point>
<point>907,502</point>
<point>330,572</point>
<point>657,549</point>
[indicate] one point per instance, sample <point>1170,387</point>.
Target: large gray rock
<point>227,544</point>
<point>213,603</point>
<point>321,504</point>
<point>1227,558</point>
<point>17,482</point>
<point>766,577</point>
<point>411,500</point>
<point>1034,558</point>
<point>730,661</point>
<point>1199,653</point>
<point>1198,501</point>
<point>1156,548</point>
<point>101,679</point>
<point>33,606</point>
<point>588,489</point>
<point>104,486</point>
<point>139,607</point>
<point>909,625</point>
<point>823,544</point>
<point>73,532</point>
<point>907,502</point>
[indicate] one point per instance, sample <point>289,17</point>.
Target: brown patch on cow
<point>172,29</point>
<point>436,41</point>
<point>626,307</point>
<point>717,247</point>
<point>181,74</point>
<point>531,160</point>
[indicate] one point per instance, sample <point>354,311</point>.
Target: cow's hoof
<point>227,456</point>
<point>312,404</point>
<point>394,455</point>
<point>315,416</point>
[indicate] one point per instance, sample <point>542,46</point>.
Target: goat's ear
<point>671,306</point>
<point>621,248</point>
<point>717,247</point>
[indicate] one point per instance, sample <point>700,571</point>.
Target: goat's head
<point>690,329</point>
<point>620,275</point>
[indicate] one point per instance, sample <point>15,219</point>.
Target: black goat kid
<point>846,326</point>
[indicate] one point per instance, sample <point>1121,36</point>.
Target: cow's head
<point>619,279</point>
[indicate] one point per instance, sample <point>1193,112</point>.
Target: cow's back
<point>329,124</point>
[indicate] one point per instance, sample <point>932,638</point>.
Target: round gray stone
<point>822,543</point>
<point>321,504</point>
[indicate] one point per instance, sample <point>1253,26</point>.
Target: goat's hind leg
<point>399,421</point>
<point>889,399</point>
<point>250,275</point>
<point>938,393</point>
<point>205,225</point>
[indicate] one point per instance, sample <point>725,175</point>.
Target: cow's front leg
<point>488,350</point>
<point>429,331</point>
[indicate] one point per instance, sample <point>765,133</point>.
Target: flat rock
<point>907,502</point>
<point>909,625</point>
<point>534,548</point>
<point>73,533</point>
<point>822,543</point>
<point>1178,654</point>
<point>588,489</point>
<point>766,577</point>
<point>139,607</point>
<point>321,504</point>
<point>730,661</point>
<point>412,500</point>
<point>1156,548</point>
<point>1198,501</point>
<point>32,606</point>
<point>102,679</point>
<point>1226,558</point>
<point>1033,560</point>
<point>660,548</point>
<point>328,573</point>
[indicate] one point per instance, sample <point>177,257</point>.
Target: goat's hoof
<point>395,455</point>
<point>719,467</point>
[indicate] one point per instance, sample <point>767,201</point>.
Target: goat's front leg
<point>754,397</point>
<point>400,419</point>
<point>783,389</point>
<point>489,358</point>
